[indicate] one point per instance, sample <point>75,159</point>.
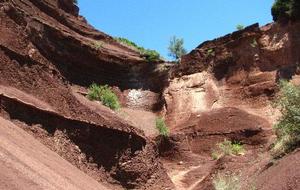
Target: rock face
<point>68,6</point>
<point>224,89</point>
<point>240,69</point>
<point>47,54</point>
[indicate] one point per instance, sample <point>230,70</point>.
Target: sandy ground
<point>140,119</point>
<point>27,164</point>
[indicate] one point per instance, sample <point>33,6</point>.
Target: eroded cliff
<point>48,56</point>
<point>223,89</point>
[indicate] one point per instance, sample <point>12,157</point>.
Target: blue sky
<point>151,23</point>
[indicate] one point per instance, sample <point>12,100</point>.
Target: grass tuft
<point>228,148</point>
<point>162,127</point>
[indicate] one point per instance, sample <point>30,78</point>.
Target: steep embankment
<point>224,89</point>
<point>48,54</point>
<point>27,164</point>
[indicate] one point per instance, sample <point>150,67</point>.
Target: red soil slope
<point>222,90</point>
<point>27,164</point>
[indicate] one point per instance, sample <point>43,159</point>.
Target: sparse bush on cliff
<point>162,127</point>
<point>127,42</point>
<point>227,148</point>
<point>283,10</point>
<point>240,27</point>
<point>105,95</point>
<point>288,127</point>
<point>75,2</point>
<point>176,49</point>
<point>149,55</point>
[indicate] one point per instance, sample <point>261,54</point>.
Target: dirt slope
<point>283,175</point>
<point>27,164</point>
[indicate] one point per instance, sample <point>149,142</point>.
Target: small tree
<point>295,9</point>
<point>280,9</point>
<point>240,27</point>
<point>284,10</point>
<point>176,49</point>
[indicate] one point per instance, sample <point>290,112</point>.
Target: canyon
<point>53,137</point>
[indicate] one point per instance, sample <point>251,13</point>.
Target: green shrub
<point>162,127</point>
<point>226,182</point>
<point>286,10</point>
<point>75,2</point>
<point>149,55</point>
<point>240,27</point>
<point>228,148</point>
<point>288,127</point>
<point>176,49</point>
<point>237,148</point>
<point>280,9</point>
<point>105,95</point>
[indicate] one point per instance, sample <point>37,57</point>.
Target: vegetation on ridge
<point>240,27</point>
<point>149,55</point>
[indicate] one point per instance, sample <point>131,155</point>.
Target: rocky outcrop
<point>240,69</point>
